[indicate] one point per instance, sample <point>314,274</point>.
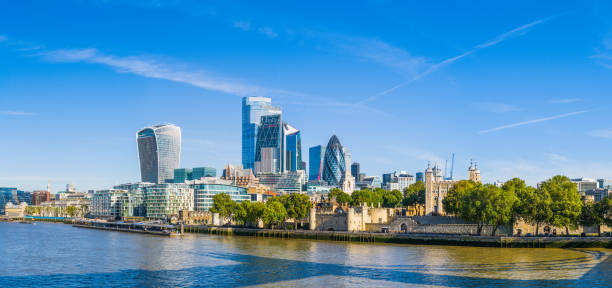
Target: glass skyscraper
<point>269,147</point>
<point>315,160</point>
<point>252,110</point>
<point>159,152</point>
<point>293,145</point>
<point>334,164</point>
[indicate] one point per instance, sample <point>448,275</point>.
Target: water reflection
<point>81,257</point>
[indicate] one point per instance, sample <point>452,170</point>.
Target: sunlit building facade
<point>253,108</point>
<point>159,152</point>
<point>315,160</point>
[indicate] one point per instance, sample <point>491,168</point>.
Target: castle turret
<point>474,172</point>
<point>429,180</point>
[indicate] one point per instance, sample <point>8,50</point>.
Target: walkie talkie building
<point>159,152</point>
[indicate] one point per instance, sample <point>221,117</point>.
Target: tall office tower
<point>334,164</point>
<point>315,159</point>
<point>269,148</point>
<point>293,147</point>
<point>420,176</point>
<point>355,171</point>
<point>159,151</point>
<point>252,110</point>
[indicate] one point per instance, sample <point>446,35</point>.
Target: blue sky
<point>523,87</point>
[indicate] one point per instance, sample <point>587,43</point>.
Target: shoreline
<point>418,239</point>
<point>381,238</point>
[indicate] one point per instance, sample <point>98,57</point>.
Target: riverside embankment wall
<point>427,239</point>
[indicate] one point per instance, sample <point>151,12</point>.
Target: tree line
<point>273,213</point>
<point>413,194</point>
<point>555,202</point>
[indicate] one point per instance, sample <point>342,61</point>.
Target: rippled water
<point>59,255</point>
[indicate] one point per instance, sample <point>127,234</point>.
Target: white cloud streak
<point>435,67</point>
<point>16,113</point>
<point>564,101</point>
<point>601,133</point>
<point>534,121</point>
<point>151,68</point>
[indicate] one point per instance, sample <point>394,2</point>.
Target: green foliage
<point>224,205</point>
<point>71,211</point>
<point>392,199</point>
<point>241,211</point>
<point>532,205</point>
<point>566,204</point>
<point>452,201</point>
<point>414,194</point>
<point>367,196</point>
<point>297,206</point>
<point>340,196</point>
<point>274,213</point>
<point>255,212</point>
<point>592,215</point>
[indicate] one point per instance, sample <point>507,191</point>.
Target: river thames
<point>58,255</point>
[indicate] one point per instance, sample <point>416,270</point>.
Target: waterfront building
<point>253,108</point>
<point>334,164</point>
<point>159,152</point>
<point>24,197</point>
<point>398,181</point>
<point>7,195</point>
<point>420,176</point>
<point>107,204</point>
<point>584,184</point>
<point>205,189</point>
<point>597,194</point>
<point>436,187</point>
<point>315,159</point>
<point>40,196</point>
<point>15,210</point>
<point>239,176</point>
<point>166,200</point>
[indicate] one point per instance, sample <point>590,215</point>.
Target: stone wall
<point>331,222</point>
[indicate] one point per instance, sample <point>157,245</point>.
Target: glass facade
<point>252,110</point>
<point>270,135</point>
<point>294,149</point>
<point>165,200</point>
<point>159,152</point>
<point>7,195</point>
<point>334,164</point>
<point>315,160</point>
<point>201,172</point>
<point>204,193</point>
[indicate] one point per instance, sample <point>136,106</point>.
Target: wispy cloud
<point>521,30</point>
<point>247,26</point>
<point>17,113</point>
<point>383,53</point>
<point>564,101</point>
<point>496,107</point>
<point>528,122</point>
<point>151,68</point>
<point>601,133</point>
<point>3,38</point>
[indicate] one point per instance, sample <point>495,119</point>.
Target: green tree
<point>392,199</point>
<point>604,207</point>
<point>224,205</point>
<point>341,197</point>
<point>453,200</point>
<point>367,196</point>
<point>71,211</point>
<point>566,204</point>
<point>255,212</point>
<point>414,194</point>
<point>274,213</point>
<point>592,215</point>
<point>241,212</point>
<point>297,206</point>
<point>532,205</point>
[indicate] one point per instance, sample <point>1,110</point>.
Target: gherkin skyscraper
<point>334,163</point>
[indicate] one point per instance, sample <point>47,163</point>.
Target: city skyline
<point>523,93</point>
